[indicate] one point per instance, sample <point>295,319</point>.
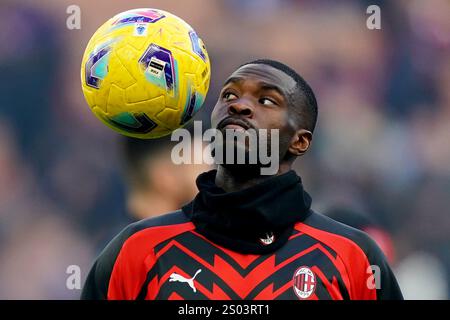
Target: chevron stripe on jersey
<point>225,274</point>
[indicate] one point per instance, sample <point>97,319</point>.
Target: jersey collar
<point>246,220</point>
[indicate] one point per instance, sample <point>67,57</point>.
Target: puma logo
<point>177,277</point>
<point>269,239</point>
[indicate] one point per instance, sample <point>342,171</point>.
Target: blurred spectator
<point>155,184</point>
<point>422,277</point>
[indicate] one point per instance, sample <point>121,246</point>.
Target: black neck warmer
<point>238,220</point>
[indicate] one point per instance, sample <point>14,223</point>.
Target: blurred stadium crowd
<point>381,150</point>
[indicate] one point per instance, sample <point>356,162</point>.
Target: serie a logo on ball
<point>145,73</point>
<point>304,283</point>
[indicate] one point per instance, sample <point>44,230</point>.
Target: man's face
<point>257,96</point>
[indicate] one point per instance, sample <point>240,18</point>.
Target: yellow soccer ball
<point>145,73</point>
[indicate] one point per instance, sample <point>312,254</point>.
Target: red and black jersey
<point>172,257</point>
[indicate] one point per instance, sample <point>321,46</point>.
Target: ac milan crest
<point>304,282</point>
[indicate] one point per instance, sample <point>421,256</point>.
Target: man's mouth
<point>234,124</point>
<point>234,127</point>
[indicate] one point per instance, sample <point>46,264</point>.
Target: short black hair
<point>309,108</point>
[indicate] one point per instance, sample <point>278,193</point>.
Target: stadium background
<point>381,147</point>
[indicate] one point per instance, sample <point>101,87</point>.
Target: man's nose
<point>240,108</point>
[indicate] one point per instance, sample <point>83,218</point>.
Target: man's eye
<point>227,96</point>
<point>267,101</point>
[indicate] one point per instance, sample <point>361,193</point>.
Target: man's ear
<point>300,142</point>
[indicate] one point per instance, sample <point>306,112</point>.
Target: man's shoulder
<point>124,254</point>
<point>338,235</point>
<point>358,252</point>
<point>359,255</point>
<point>138,239</point>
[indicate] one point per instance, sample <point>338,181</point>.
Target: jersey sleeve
<point>383,277</point>
<point>97,281</point>
<point>120,271</point>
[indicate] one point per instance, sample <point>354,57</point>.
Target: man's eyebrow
<point>267,86</point>
<point>264,85</point>
<point>232,80</point>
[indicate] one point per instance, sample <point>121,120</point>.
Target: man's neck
<point>230,180</point>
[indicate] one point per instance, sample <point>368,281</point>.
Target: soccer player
<point>247,235</point>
